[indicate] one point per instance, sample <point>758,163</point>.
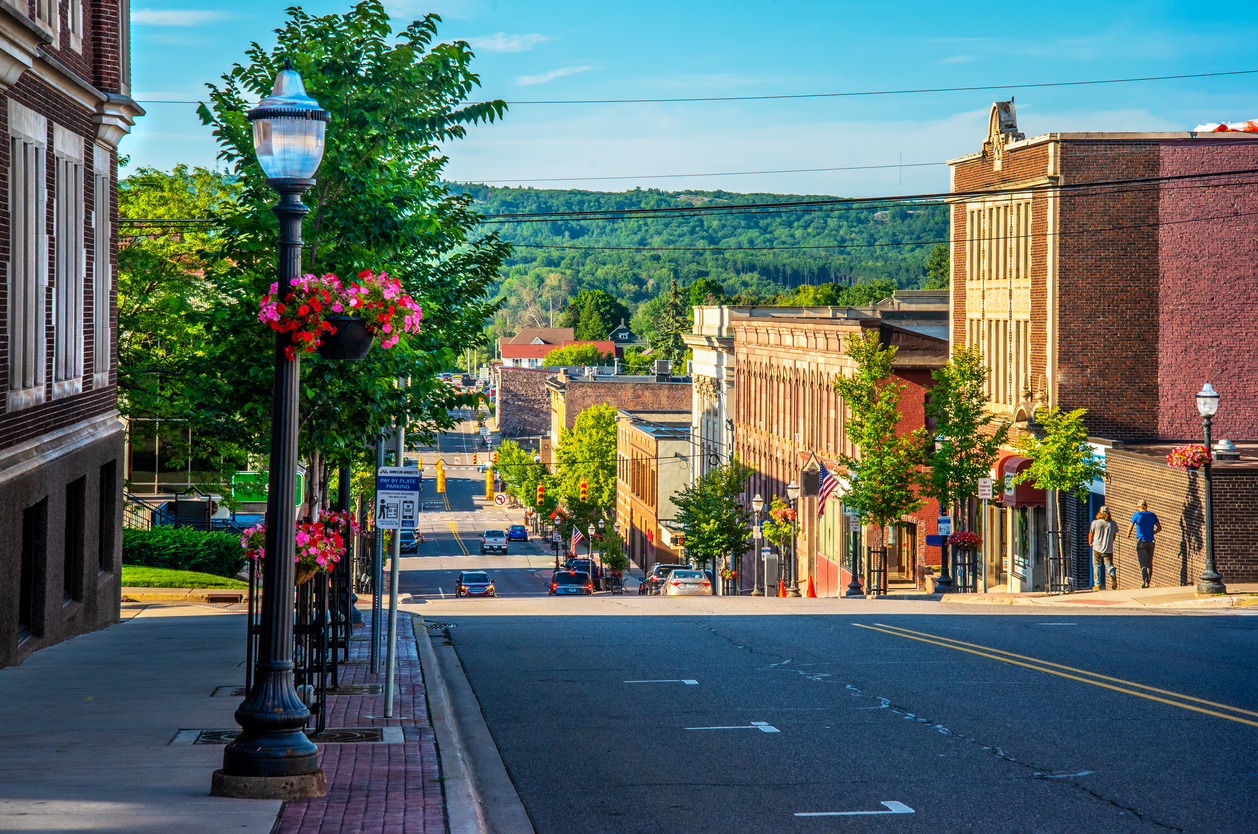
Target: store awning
<point>1020,495</point>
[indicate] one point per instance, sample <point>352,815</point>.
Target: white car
<point>687,583</point>
<point>493,540</point>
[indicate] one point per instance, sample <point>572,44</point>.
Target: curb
<point>463,807</point>
<point>206,595</point>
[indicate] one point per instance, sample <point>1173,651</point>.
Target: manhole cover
<point>358,689</point>
<point>233,691</point>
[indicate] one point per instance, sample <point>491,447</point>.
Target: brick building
<point>570,395</point>
<point>523,405</point>
<point>65,78</point>
<point>653,453</point>
<point>1083,289</point>
<point>787,411</point>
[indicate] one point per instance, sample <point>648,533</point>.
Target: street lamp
<point>590,544</point>
<point>944,583</point>
<point>792,492</point>
<point>1210,582</point>
<point>272,758</point>
<point>757,504</point>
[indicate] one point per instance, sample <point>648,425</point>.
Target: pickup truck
<point>493,540</point>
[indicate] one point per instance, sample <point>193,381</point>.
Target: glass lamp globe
<point>792,490</point>
<point>288,129</point>
<point>757,502</point>
<point>1207,401</point>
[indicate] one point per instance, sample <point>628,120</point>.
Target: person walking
<point>1101,538</point>
<point>1146,526</point>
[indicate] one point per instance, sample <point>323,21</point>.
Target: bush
<point>183,548</point>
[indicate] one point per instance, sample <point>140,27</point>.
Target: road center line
<point>893,807</point>
<point>762,726</point>
<point>1042,666</point>
<point>458,540</point>
<point>690,683</point>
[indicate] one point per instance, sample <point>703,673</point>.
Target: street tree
<point>587,454</point>
<point>396,100</point>
<point>714,523</point>
<point>673,322</point>
<point>576,355</point>
<point>592,314</point>
<point>970,435</point>
<point>1061,462</point>
<point>883,476</point>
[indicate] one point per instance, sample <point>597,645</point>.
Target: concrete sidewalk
<point>1186,597</point>
<point>90,735</point>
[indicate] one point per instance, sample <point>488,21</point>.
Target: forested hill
<point>886,242</point>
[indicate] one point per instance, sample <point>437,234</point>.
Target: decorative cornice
<point>115,117</point>
<point>20,41</point>
<point>26,457</point>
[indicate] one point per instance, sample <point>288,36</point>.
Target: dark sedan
<point>654,581</point>
<point>566,582</point>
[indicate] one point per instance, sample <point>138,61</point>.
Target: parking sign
<point>397,497</point>
<point>985,488</point>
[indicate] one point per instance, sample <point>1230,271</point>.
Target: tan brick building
<point>653,451</point>
<point>570,395</point>
<point>1112,272</point>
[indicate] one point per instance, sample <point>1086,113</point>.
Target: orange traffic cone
<point>781,588</point>
<point>812,592</point>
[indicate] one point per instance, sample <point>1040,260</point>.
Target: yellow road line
<point>458,540</point>
<point>1072,669</point>
<point>1041,668</point>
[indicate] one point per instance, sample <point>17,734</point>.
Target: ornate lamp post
<point>757,504</point>
<point>589,532</point>
<point>792,492</point>
<point>944,583</point>
<point>1210,582</point>
<point>272,758</point>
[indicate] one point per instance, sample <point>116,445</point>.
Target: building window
<point>72,563</point>
<point>28,256</point>
<point>70,264</point>
<point>75,25</point>
<point>107,516</point>
<point>102,271</point>
<point>30,603</point>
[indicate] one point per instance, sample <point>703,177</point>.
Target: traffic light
<point>541,494</point>
<point>495,456</point>
<point>585,491</point>
<point>473,458</point>
<point>489,484</point>
<point>441,480</point>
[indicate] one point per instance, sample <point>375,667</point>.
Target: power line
<point>713,174</point>
<point>850,94</point>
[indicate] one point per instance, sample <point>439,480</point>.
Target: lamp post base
<point>757,593</point>
<point>301,786</point>
<point>793,591</point>
<point>1211,586</point>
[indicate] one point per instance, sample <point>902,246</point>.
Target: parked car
<point>570,582</point>
<point>408,542</point>
<point>447,377</point>
<point>467,381</point>
<point>686,583</point>
<point>584,566</point>
<point>653,581</point>
<point>493,540</point>
<point>474,584</point>
<point>517,533</point>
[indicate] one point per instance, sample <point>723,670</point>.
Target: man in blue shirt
<point>1146,526</point>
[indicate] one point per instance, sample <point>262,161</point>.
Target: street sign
<point>456,459</point>
<point>985,488</point>
<point>854,523</point>
<point>554,537</point>
<point>500,500</point>
<point>759,533</point>
<point>945,525</point>
<point>484,430</point>
<point>397,497</point>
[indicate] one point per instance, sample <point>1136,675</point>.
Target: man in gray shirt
<point>1101,538</point>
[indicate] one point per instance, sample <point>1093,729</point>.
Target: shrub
<point>183,548</point>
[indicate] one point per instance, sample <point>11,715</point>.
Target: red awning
<point>1021,495</point>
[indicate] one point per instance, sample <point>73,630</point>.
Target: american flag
<point>828,485</point>
<point>577,538</point>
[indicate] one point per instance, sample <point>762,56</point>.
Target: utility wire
<point>712,174</point>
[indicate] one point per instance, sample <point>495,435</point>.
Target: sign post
<point>397,508</point>
<point>985,493</point>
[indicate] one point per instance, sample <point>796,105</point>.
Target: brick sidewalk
<point>376,787</point>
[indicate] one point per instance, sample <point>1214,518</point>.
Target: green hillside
<point>888,243</point>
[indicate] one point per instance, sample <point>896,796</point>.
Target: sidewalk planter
<point>349,339</point>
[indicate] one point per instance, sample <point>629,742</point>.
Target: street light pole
<point>944,583</point>
<point>792,492</point>
<point>1210,582</point>
<point>272,758</point>
<point>757,504</point>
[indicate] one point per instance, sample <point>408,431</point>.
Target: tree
<point>520,476</point>
<point>379,203</point>
<point>576,355</point>
<point>705,291</point>
<point>782,525</point>
<point>971,436</point>
<point>646,321</point>
<point>592,314</point>
<point>867,294</point>
<point>883,476</point>
<point>714,523</point>
<point>587,453</point>
<point>667,343</point>
<point>635,362</point>
<point>1061,461</point>
<point>938,269</point>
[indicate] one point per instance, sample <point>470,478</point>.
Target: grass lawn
<point>134,576</point>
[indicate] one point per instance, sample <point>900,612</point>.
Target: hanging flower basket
<point>320,544</point>
<point>966,540</point>
<point>349,339</point>
<point>314,309</point>
<point>1191,456</point>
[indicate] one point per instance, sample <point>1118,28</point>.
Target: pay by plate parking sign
<point>397,497</point>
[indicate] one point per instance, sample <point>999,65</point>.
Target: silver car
<point>687,583</point>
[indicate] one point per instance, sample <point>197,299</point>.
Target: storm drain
<point>336,735</point>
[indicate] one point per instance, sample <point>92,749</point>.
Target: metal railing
<point>145,513</point>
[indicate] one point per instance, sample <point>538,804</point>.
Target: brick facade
<point>787,410</point>
<point>60,441</point>
<point>569,396</point>
<point>523,408</point>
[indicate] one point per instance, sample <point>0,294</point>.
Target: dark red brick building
<point>1112,272</point>
<point>65,79</point>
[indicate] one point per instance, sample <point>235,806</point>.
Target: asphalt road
<point>646,714</point>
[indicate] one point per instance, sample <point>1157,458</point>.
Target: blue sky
<point>647,49</point>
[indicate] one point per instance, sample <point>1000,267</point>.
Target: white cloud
<point>525,80</point>
<point>959,59</point>
<point>502,42</point>
<point>175,17</point>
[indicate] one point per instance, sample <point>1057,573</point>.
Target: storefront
<point>1018,532</point>
<point>902,552</point>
